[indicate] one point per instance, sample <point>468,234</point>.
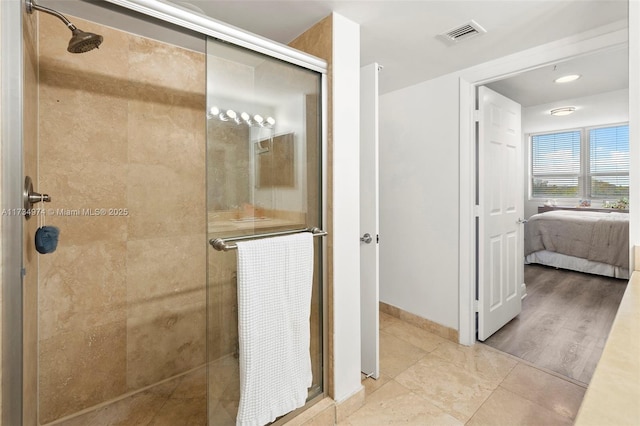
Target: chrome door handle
<point>366,238</point>
<point>30,197</point>
<point>521,221</point>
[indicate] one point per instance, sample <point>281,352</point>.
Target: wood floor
<point>565,321</point>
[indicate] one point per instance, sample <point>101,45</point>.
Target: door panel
<point>369,277</point>
<point>500,245</point>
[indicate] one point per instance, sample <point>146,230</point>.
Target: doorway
<point>606,105</point>
<point>487,73</point>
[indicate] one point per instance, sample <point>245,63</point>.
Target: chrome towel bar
<point>222,244</point>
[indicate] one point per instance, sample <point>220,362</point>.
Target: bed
<point>585,241</point>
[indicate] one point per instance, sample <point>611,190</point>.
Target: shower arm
<point>30,5</point>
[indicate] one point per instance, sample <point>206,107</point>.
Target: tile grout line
<point>542,369</point>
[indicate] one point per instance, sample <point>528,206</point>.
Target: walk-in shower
<point>136,313</point>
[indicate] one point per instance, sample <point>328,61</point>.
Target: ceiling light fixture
<point>567,78</point>
<point>558,112</point>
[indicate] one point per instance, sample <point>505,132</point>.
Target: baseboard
<point>423,323</point>
<point>322,413</point>
<point>350,405</point>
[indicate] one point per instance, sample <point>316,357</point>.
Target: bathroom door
<point>501,198</point>
<point>369,253</point>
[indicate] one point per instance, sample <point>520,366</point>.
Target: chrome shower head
<point>80,41</point>
<point>83,42</point>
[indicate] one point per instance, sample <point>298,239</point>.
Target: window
<point>582,163</point>
<point>556,165</point>
<point>609,162</point>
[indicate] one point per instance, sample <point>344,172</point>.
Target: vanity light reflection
<point>243,118</point>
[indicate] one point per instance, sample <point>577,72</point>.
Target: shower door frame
<point>12,101</point>
<point>205,25</point>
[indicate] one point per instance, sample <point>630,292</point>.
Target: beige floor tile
<point>349,406</point>
<point>395,404</point>
<point>396,355</point>
<point>477,359</point>
<point>504,408</point>
<point>416,336</point>
<point>326,418</point>
<point>386,320</point>
<point>371,385</point>
<point>446,385</point>
<point>322,413</point>
<point>546,390</point>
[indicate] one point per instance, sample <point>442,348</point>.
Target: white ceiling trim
<point>607,37</point>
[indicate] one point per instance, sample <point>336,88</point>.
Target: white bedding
<point>558,260</point>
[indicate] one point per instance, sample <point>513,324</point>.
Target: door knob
<point>521,221</point>
<point>366,238</point>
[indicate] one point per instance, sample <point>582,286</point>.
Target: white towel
<point>275,277</point>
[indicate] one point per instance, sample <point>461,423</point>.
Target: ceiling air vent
<point>463,32</point>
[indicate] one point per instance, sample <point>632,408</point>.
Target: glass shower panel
<point>263,175</point>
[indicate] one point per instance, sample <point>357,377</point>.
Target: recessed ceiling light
<point>567,78</point>
<point>563,111</point>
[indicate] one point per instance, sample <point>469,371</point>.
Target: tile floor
<point>181,401</point>
<point>426,379</point>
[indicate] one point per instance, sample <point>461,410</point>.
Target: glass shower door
<point>263,175</point>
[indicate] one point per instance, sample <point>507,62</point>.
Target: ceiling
<point>600,72</point>
<point>401,36</point>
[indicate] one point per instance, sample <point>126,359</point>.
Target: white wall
<point>346,207</point>
<point>605,108</point>
<point>422,242</point>
<point>1,256</point>
<point>634,124</point>
<point>419,199</point>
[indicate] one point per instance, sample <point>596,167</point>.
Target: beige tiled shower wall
<point>122,300</point>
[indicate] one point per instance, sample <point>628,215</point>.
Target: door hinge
<point>476,115</point>
<point>377,238</point>
<point>476,211</point>
<point>475,306</point>
<point>23,272</point>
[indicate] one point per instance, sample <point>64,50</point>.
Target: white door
<point>501,202</point>
<point>369,296</point>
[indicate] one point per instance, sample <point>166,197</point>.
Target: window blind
<point>556,164</point>
<point>609,162</point>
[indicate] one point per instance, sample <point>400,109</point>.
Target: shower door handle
<point>30,197</point>
<point>366,238</point>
